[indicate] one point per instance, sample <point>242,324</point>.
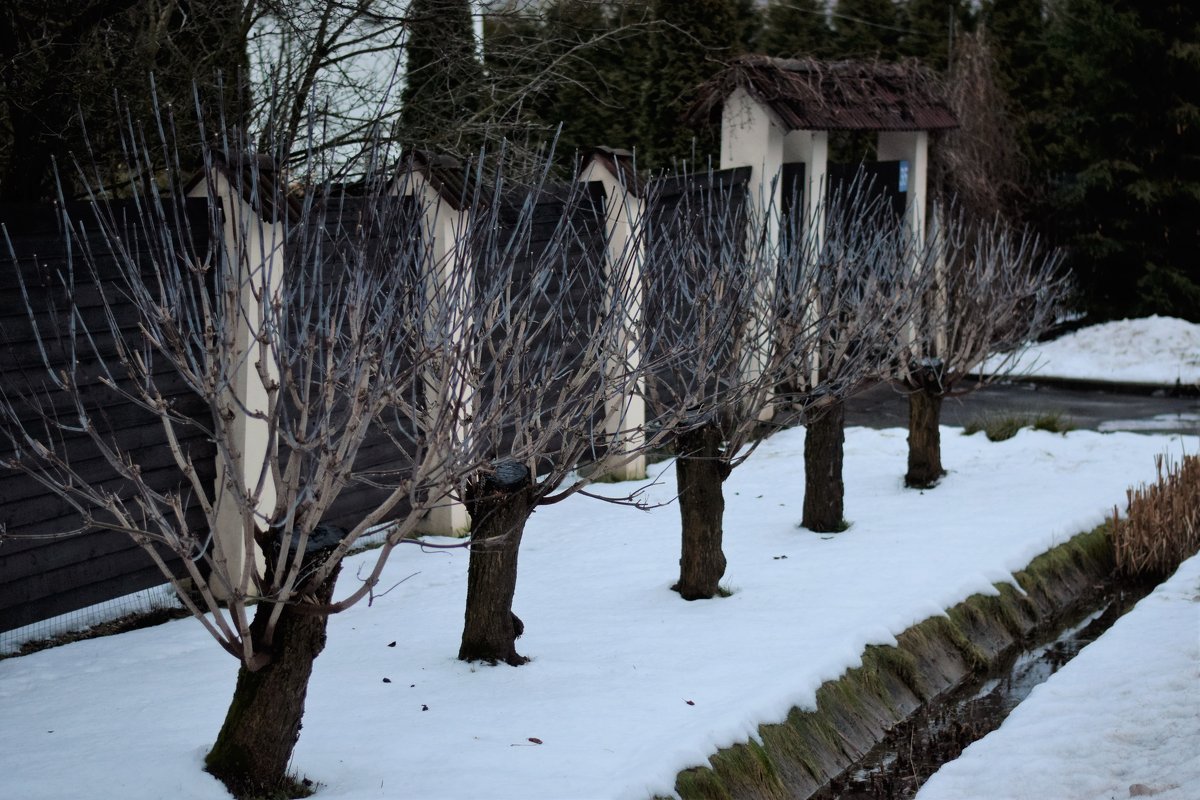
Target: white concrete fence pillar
<point>811,148</point>
<point>445,227</point>
<point>625,415</point>
<point>911,148</point>
<point>252,267</point>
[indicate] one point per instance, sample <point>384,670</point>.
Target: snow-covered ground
<point>1154,350</point>
<point>1120,720</point>
<point>629,684</point>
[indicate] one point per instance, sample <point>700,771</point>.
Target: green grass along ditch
<point>931,660</point>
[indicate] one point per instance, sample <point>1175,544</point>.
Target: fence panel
<point>50,564</point>
<point>701,216</point>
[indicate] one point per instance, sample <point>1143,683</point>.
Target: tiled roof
<point>807,94</point>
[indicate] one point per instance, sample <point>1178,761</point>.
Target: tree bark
<point>924,439</point>
<point>255,744</point>
<point>824,491</point>
<point>701,470</point>
<point>499,508</point>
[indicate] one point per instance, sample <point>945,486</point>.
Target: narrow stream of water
<point>897,767</point>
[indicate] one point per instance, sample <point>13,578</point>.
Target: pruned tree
<point>866,277</point>
<point>994,291</point>
<point>552,351</point>
<point>314,324</point>
<point>740,310</point>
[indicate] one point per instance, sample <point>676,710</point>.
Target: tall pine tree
<point>695,38</point>
<point>1124,143</point>
<point>62,65</point>
<point>867,29</point>
<point>443,78</point>
<point>931,28</point>
<point>796,29</point>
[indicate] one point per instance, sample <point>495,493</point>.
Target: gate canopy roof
<point>807,94</point>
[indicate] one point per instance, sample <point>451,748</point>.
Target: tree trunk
<point>824,492</point>
<point>499,508</point>
<point>254,747</point>
<point>701,469</point>
<point>924,440</point>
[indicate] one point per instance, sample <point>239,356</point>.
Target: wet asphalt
<point>1088,406</point>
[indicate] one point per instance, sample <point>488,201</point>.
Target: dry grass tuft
<point>1163,524</point>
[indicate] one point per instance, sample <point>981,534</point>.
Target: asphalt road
<point>1094,408</point>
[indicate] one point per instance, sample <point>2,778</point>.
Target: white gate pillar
<point>753,136</point>
<point>812,149</point>
<point>912,148</point>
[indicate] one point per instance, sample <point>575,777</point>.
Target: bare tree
<point>866,277</point>
<point>313,325</point>
<point>552,349</point>
<point>995,289</point>
<point>393,72</point>
<point>715,299</point>
<point>981,162</point>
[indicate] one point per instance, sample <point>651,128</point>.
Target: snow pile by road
<point>1155,350</point>
<point>1120,720</point>
<point>628,683</point>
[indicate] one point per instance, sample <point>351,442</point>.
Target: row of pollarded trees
<point>489,384</point>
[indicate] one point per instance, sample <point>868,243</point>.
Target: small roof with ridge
<point>807,94</point>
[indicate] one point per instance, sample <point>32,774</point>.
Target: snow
<point>629,684</point>
<point>616,655</point>
<point>1152,350</point>
<point>1120,720</point>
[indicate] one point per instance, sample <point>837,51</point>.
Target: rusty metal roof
<point>807,94</point>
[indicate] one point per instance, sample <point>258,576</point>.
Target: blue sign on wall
<point>904,176</point>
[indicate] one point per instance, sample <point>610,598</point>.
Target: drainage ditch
<point>937,733</point>
<point>882,728</point>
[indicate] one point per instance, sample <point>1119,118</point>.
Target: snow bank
<point>1157,350</point>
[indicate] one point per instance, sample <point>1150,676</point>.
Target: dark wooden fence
<point>374,233</point>
<point>42,572</point>
<point>566,223</point>
<point>48,566</point>
<point>680,216</point>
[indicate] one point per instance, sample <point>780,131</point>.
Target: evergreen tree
<point>748,24</point>
<point>443,78</point>
<point>931,27</point>
<point>599,52</point>
<point>795,29</point>
<point>574,66</point>
<point>1125,134</point>
<point>695,38</point>
<point>867,29</point>
<point>1017,30</point>
<point>62,65</point>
